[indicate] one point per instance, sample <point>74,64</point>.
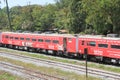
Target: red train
<point>99,48</point>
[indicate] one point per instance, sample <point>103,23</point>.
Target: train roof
<point>60,35</point>
<point>99,37</point>
<point>70,35</point>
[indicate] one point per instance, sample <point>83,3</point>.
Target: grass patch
<point>41,56</point>
<point>7,76</point>
<point>49,70</point>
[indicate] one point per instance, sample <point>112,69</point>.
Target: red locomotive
<point>99,48</point>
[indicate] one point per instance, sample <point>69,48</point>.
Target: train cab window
<point>21,38</point>
<point>56,41</point>
<point>11,37</point>
<point>6,36</point>
<point>28,39</point>
<point>33,39</point>
<point>40,40</point>
<point>115,46</point>
<point>92,43</point>
<point>103,45</point>
<point>16,38</point>
<point>82,43</point>
<point>48,41</point>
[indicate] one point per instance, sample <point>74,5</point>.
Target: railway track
<point>32,74</point>
<point>65,66</point>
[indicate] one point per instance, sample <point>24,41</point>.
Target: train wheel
<point>11,46</point>
<point>54,53</point>
<point>0,45</point>
<point>107,60</point>
<point>16,47</point>
<point>59,53</point>
<point>70,56</point>
<point>31,49</point>
<point>79,56</point>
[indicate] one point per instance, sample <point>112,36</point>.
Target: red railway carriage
<point>37,41</point>
<point>51,42</point>
<point>101,48</point>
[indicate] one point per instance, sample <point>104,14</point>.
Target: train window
<point>11,37</point>
<point>6,36</point>
<point>21,38</point>
<point>103,45</point>
<point>69,39</point>
<point>92,43</point>
<point>115,46</point>
<point>55,41</point>
<point>83,42</point>
<point>48,41</point>
<point>33,39</point>
<point>16,38</point>
<point>40,40</point>
<point>28,39</point>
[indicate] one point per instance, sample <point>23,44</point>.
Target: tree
<point>47,17</point>
<point>3,19</point>
<point>62,19</point>
<point>77,17</point>
<point>103,15</point>
<point>16,17</point>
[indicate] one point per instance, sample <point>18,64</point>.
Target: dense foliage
<point>76,16</point>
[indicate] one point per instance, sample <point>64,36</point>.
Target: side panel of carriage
<point>114,49</point>
<point>5,38</point>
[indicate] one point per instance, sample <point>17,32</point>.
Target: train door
<point>77,44</point>
<point>82,46</point>
<point>65,44</point>
<point>92,47</point>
